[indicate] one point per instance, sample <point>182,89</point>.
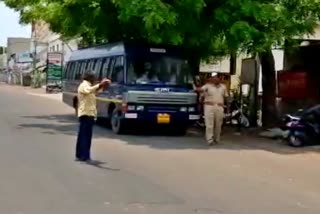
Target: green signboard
<point>54,67</point>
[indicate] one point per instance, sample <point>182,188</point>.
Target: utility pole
<point>34,57</point>
<point>62,51</point>
<point>255,97</point>
<point>35,51</point>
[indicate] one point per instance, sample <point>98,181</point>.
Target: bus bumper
<point>162,118</point>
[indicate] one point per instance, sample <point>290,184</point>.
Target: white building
<point>283,61</point>
<point>46,41</point>
<point>56,44</point>
<point>3,61</point>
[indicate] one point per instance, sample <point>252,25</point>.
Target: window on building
<point>57,47</point>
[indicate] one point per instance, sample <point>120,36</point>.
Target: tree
<point>257,26</point>
<point>205,27</point>
<point>2,50</point>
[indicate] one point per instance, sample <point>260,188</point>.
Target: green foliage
<point>2,50</point>
<point>255,26</point>
<point>36,79</point>
<point>207,27</point>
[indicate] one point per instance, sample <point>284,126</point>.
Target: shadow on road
<point>100,165</point>
<point>67,124</point>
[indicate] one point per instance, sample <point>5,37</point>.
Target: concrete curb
<point>57,97</point>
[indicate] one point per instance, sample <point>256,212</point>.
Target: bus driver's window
<point>149,74</point>
<point>132,77</point>
<point>118,74</point>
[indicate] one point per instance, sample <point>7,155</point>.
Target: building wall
<point>40,31</point>
<point>224,67</point>
<point>17,45</point>
<point>49,41</point>
<point>314,36</point>
<point>65,47</point>
<point>3,61</point>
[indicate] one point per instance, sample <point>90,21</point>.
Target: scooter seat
<point>293,117</point>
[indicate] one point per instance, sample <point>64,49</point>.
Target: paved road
<point>142,174</point>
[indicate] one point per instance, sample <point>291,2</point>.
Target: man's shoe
<point>79,160</point>
<point>210,142</point>
<point>91,162</point>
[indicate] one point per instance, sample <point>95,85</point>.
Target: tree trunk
<point>194,63</point>
<point>269,110</point>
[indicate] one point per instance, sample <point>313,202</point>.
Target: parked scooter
<point>289,118</point>
<point>305,130</point>
<point>234,115</point>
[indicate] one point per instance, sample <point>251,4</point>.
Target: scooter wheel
<point>295,141</point>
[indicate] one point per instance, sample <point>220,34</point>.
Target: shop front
<point>299,82</point>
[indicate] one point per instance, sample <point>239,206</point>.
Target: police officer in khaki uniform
<point>214,93</point>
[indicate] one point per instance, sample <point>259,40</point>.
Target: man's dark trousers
<point>84,138</point>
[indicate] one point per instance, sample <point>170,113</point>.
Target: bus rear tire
<point>117,123</point>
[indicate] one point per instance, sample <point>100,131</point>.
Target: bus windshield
<point>158,69</point>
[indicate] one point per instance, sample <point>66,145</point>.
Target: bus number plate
<point>163,118</point>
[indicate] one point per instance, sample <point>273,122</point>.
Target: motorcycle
<point>289,118</point>
<point>53,88</point>
<point>234,115</point>
<point>305,130</point>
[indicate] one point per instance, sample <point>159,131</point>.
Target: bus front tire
<point>117,123</point>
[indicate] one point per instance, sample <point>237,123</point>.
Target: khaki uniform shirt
<point>214,94</point>
<point>87,104</point>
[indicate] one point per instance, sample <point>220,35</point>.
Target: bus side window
<point>89,65</point>
<point>86,66</point>
<point>110,70</point>
<point>92,64</point>
<point>72,71</point>
<point>105,68</point>
<point>77,71</point>
<point>97,68</point>
<point>83,67</point>
<point>117,74</point>
<point>65,71</point>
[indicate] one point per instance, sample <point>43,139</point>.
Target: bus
<point>151,85</point>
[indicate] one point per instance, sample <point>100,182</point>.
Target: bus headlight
<point>191,109</point>
<point>183,109</point>
<point>140,108</point>
<point>131,108</point>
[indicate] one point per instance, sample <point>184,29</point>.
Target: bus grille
<point>155,99</point>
